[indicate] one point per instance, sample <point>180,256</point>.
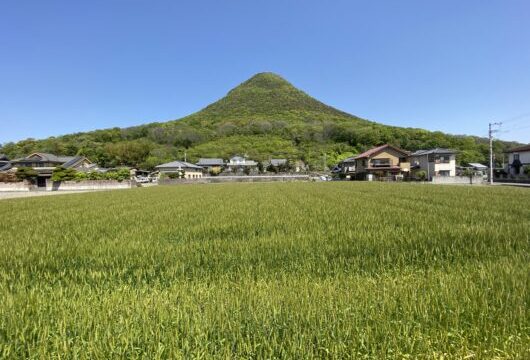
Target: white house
<point>191,171</point>
<point>518,158</point>
<point>435,162</point>
<point>241,164</point>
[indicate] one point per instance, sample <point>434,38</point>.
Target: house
<point>44,164</point>
<point>191,171</point>
<point>240,164</point>
<point>279,164</point>
<point>385,161</point>
<point>435,162</point>
<point>518,158</point>
<point>4,162</point>
<point>211,165</point>
<point>347,167</point>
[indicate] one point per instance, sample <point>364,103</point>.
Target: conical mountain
<point>267,96</point>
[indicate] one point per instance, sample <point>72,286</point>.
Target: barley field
<point>275,270</point>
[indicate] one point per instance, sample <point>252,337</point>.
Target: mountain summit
<point>263,95</point>
<point>263,117</point>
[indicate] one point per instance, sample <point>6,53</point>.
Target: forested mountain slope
<point>263,117</point>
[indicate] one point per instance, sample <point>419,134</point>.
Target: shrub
<point>8,177</point>
<point>421,174</point>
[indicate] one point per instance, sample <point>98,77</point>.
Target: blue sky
<point>450,65</point>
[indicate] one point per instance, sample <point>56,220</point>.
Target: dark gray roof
<point>439,151</point>
<point>349,160</point>
<point>49,158</point>
<point>210,162</point>
<point>5,167</point>
<point>73,161</point>
<point>177,165</point>
<point>276,162</point>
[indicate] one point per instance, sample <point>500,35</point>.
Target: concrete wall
<point>227,179</point>
<point>88,185</point>
<point>475,180</point>
<point>16,186</point>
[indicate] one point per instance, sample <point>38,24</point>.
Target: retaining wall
<point>227,179</point>
<point>16,186</point>
<point>473,180</point>
<point>89,185</point>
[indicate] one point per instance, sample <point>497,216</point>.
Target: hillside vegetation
<point>263,117</point>
<point>267,271</point>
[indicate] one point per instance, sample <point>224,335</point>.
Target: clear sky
<point>449,65</point>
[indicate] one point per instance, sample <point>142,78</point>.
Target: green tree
<point>26,173</point>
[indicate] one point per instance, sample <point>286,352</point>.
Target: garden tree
<point>26,173</point>
<point>62,174</point>
<point>526,170</point>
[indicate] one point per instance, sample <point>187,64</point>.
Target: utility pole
<point>490,136</point>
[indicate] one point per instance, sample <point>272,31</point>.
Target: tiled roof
<point>440,151</point>
<point>519,149</point>
<point>375,150</point>
<point>178,164</point>
<point>210,161</point>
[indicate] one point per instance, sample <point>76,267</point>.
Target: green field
<point>294,270</point>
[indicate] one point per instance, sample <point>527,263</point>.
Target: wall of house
<point>387,154</point>
<point>524,158</point>
<point>193,174</point>
<point>451,166</point>
<point>430,167</point>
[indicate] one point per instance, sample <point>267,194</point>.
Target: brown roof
<point>520,148</point>
<point>375,150</point>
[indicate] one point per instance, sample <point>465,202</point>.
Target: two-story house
<point>518,158</point>
<point>385,161</point>
<point>435,162</point>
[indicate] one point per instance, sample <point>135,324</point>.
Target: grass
<point>295,270</point>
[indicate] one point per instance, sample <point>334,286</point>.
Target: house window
<point>444,173</point>
<point>402,159</point>
<point>380,162</point>
<point>516,156</point>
